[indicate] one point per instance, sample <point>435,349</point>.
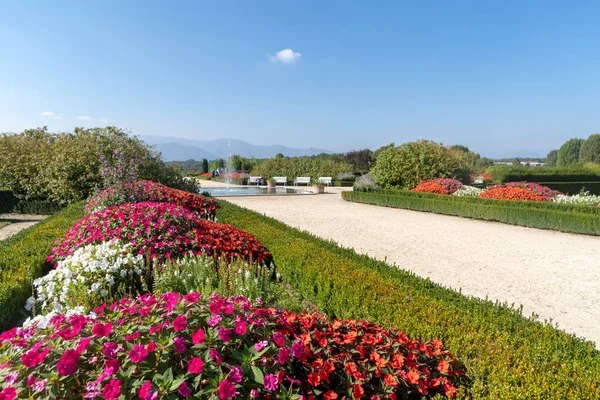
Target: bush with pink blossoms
<point>545,192</point>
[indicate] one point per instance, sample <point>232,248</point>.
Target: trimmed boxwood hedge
<point>23,259</point>
<point>545,174</point>
<point>544,215</point>
<point>573,187</point>
<point>7,201</point>
<point>507,355</point>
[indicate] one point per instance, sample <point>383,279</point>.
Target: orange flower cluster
<point>511,193</point>
<point>430,187</point>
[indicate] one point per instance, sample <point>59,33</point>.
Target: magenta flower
<point>112,391</point>
<point>279,339</point>
<point>184,390</point>
<point>236,374</point>
<point>195,365</point>
<point>261,345</point>
<point>224,334</point>
<point>180,323</point>
<point>180,345</point>
<point>226,390</point>
<point>138,354</point>
<point>214,354</point>
<point>110,350</point>
<point>68,363</point>
<point>198,337</point>
<point>271,382</point>
<point>297,349</point>
<point>240,328</point>
<point>214,320</point>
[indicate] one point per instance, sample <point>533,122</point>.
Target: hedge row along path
<point>555,275</point>
<point>18,223</point>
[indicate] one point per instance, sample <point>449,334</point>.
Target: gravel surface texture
<point>18,223</point>
<point>552,274</point>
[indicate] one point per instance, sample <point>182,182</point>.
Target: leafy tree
<point>204,165</point>
<point>406,165</point>
<point>381,149</point>
<point>293,167</point>
<point>568,154</point>
<point>361,160</point>
<point>551,158</point>
<point>590,150</point>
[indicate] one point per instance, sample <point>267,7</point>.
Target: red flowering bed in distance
<point>160,231</point>
<point>144,191</point>
<point>439,186</point>
<point>528,191</point>
<point>181,346</point>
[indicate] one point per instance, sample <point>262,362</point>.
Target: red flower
<point>102,330</point>
<point>314,379</point>
<point>112,391</point>
<point>357,391</point>
<point>330,395</point>
<point>68,363</point>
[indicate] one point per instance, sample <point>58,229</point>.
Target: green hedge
<point>7,201</point>
<point>573,187</point>
<point>23,259</point>
<point>543,215</point>
<point>506,354</point>
<point>544,174</point>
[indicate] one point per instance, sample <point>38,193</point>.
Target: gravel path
<point>555,275</point>
<point>18,223</point>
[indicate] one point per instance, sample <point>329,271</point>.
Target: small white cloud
<point>84,118</point>
<point>286,56</point>
<point>50,114</point>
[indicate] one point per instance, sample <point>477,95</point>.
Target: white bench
<point>302,180</point>
<point>326,180</point>
<point>280,179</point>
<point>253,180</point>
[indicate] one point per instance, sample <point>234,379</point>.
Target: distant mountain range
<point>178,149</point>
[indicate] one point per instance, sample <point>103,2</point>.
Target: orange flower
<point>390,380</point>
<point>330,395</point>
<point>314,379</point>
<point>413,377</point>
<point>443,366</point>
<point>357,391</point>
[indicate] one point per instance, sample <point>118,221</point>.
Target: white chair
<point>302,180</point>
<point>280,179</point>
<point>325,180</point>
<point>253,180</point>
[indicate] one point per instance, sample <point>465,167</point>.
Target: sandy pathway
<point>18,223</point>
<point>555,275</point>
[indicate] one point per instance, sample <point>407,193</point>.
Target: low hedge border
<point>543,215</point>
<point>572,188</point>
<point>7,201</point>
<point>507,355</point>
<point>9,204</point>
<point>23,259</point>
<point>545,174</point>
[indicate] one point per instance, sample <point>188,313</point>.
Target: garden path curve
<point>18,223</point>
<point>555,275</point>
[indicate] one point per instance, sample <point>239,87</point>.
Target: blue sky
<point>508,78</point>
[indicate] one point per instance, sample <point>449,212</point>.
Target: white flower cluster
<point>93,268</point>
<point>468,191</point>
<point>584,199</point>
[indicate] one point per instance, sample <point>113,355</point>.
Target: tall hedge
<point>23,259</point>
<point>7,201</point>
<point>507,355</point>
<point>544,174</point>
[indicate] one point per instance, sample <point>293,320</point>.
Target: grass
<point>4,223</point>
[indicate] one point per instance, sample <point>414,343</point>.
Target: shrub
<point>23,259</point>
<point>544,174</point>
<point>572,188</point>
<point>468,191</point>
<point>407,165</point>
<point>568,154</point>
<point>293,167</point>
<point>365,183</point>
<point>345,176</point>
<point>590,150</point>
<point>143,191</point>
<point>162,347</point>
<point>7,201</point>
<point>519,191</point>
<point>506,355</point>
<point>439,186</point>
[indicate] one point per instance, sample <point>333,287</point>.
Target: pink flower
<point>236,374</point>
<point>114,364</point>
<point>11,378</point>
<point>145,390</point>
<point>40,385</point>
<point>271,382</point>
<point>297,349</point>
<point>254,394</point>
<point>214,354</point>
<point>261,345</point>
<point>214,320</point>
<point>33,358</point>
<point>195,365</point>
<point>226,390</point>
<point>184,390</point>
<point>138,354</point>
<point>132,336</point>
<point>112,391</point>
<point>151,347</point>
<point>224,334</point>
<point>10,393</point>
<point>198,337</point>
<point>180,323</point>
<point>110,350</point>
<point>240,328</point>
<point>284,355</point>
<point>279,339</point>
<point>102,330</point>
<point>180,345</point>
<point>68,363</point>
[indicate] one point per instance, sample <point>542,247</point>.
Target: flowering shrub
<point>584,199</point>
<point>181,346</point>
<point>520,191</point>
<point>439,186</point>
<point>144,191</point>
<point>430,187</point>
<point>227,241</point>
<point>468,191</point>
<point>90,276</point>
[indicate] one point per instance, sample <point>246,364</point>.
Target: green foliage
<point>23,259</point>
<point>64,168</point>
<point>568,154</point>
<point>572,188</point>
<point>503,173</point>
<point>204,169</point>
<point>506,354</point>
<point>7,201</point>
<point>552,158</point>
<point>544,215</point>
<point>241,164</point>
<point>293,167</point>
<point>407,165</point>
<point>590,150</point>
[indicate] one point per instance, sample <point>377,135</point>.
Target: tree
<point>204,165</point>
<point>551,158</point>
<point>590,150</point>
<point>361,160</point>
<point>406,165</point>
<point>568,154</point>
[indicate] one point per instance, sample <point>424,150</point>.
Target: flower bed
<point>181,346</point>
<point>583,199</point>
<point>468,191</point>
<point>439,186</point>
<point>145,191</point>
<point>520,191</point>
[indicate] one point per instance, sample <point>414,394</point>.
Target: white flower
<point>29,303</point>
